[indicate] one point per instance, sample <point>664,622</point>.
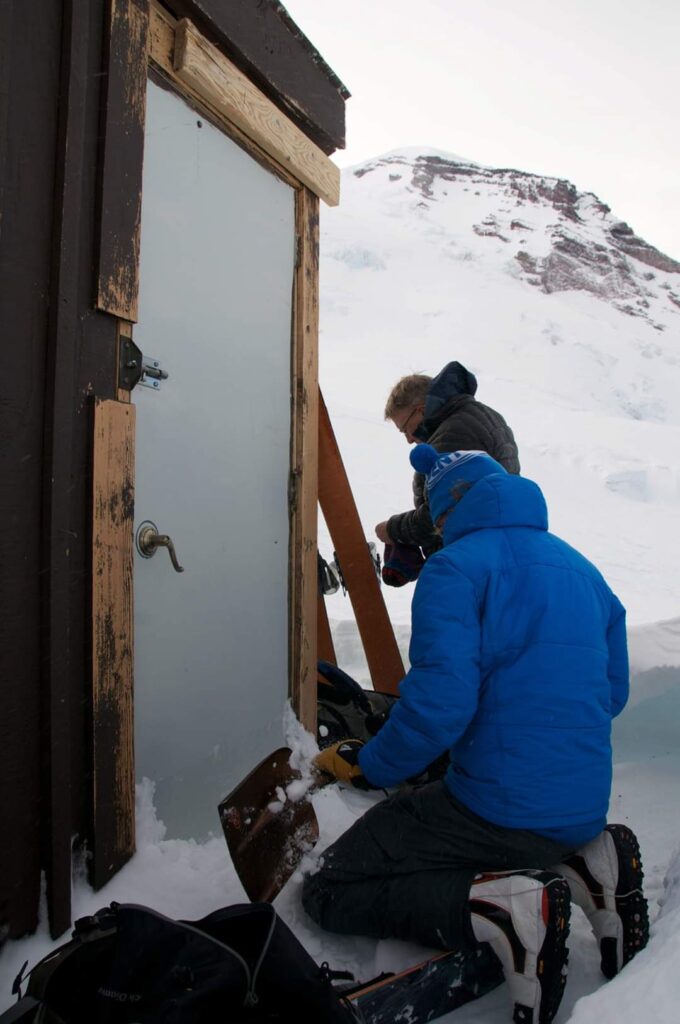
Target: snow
<point>188,880</point>
<point>592,395</point>
<point>590,391</point>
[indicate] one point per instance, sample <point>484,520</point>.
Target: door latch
<point>135,368</point>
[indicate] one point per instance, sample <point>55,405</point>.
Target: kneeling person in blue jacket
<point>518,665</point>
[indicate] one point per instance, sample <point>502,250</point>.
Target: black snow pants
<point>405,868</point>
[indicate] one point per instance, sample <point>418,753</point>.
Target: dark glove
<point>401,564</point>
<point>342,760</point>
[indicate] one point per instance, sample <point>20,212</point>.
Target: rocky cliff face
<point>559,239</point>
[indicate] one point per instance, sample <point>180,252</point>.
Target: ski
<point>429,989</point>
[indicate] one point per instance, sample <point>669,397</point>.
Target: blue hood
<point>498,500</point>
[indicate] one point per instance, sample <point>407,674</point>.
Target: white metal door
<point>213,452</point>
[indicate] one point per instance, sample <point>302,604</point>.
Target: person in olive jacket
<point>444,412</point>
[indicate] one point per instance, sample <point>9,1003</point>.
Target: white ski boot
<point>605,878</point>
<point>525,917</point>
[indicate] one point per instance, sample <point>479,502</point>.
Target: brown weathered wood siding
<point>113,488</point>
<point>81,363</point>
<point>304,462</point>
<point>72,75</point>
<point>261,40</point>
<point>57,352</point>
<point>29,68</point>
<point>122,157</point>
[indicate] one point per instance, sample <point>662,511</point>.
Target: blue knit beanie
<point>449,476</point>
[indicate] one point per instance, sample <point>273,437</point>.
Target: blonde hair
<point>408,391</point>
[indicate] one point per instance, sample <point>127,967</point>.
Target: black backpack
<point>345,710</point>
<point>129,964</point>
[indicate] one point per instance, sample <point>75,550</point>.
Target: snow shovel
<point>269,824</point>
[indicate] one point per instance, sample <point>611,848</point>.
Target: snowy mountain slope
<point>571,323</point>
<point>559,239</point>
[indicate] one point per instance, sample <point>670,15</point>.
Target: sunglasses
<point>403,429</point>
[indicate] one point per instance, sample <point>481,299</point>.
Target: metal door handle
<point>149,540</point>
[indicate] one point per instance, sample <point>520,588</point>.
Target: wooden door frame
<point>147,40</point>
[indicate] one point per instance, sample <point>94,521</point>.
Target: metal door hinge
<point>134,368</point>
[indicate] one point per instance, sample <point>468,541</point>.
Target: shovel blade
<point>267,837</point>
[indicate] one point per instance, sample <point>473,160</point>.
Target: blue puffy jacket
<point>518,664</point>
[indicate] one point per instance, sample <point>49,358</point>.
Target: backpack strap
<point>336,686</point>
<point>85,929</point>
<point>23,1012</point>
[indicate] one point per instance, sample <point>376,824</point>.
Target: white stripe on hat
<point>448,462</point>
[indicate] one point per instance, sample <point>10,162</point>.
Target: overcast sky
<point>587,90</point>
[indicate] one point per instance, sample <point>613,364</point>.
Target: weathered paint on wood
<point>29,87</point>
<point>122,157</point>
<point>80,362</point>
<point>344,525</point>
<point>215,79</point>
<point>273,52</point>
<point>112,637</point>
<point>304,463</point>
<point>124,331</point>
<point>161,36</point>
<point>162,31</point>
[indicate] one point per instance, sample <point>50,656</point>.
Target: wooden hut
<point>160,177</point>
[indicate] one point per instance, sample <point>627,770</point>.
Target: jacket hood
<point>451,382</point>
<point>496,501</point>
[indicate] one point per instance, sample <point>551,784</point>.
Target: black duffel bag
<point>129,964</point>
